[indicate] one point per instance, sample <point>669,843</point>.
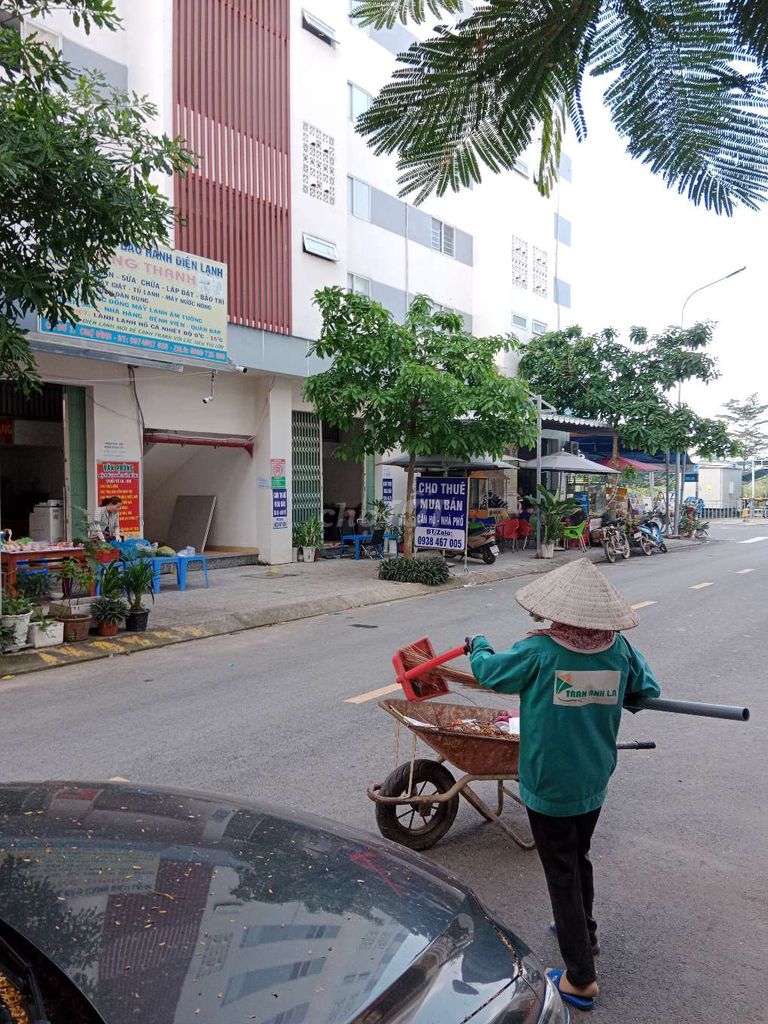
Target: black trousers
<point>563,846</point>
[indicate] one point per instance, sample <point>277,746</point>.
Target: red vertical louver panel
<point>231,103</point>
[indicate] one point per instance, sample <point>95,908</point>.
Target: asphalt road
<point>681,851</point>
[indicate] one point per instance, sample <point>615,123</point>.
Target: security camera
<point>207,399</point>
<point>240,369</point>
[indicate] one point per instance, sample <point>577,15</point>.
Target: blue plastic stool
<point>184,562</point>
<point>157,565</point>
<point>100,573</point>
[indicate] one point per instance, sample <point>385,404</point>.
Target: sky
<point>641,249</point>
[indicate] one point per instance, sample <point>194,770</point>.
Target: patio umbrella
<point>565,462</point>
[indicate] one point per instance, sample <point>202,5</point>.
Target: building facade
<point>288,198</point>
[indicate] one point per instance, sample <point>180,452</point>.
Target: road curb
<point>97,648</point>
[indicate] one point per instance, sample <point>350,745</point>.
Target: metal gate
<point>76,461</point>
<point>307,468</point>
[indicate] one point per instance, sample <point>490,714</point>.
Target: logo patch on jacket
<point>576,689</point>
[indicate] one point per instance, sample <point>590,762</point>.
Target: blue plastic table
<point>363,538</point>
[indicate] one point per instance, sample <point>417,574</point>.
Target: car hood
<point>170,906</point>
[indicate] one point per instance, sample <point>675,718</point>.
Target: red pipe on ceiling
<point>205,442</point>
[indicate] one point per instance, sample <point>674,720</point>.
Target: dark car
<point>130,905</point>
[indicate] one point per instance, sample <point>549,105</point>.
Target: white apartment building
<point>290,199</point>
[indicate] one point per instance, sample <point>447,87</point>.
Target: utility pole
<point>680,482</point>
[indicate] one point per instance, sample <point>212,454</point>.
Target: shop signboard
<point>582,498</point>
<point>157,302</point>
<point>122,479</point>
<point>279,508</point>
<point>6,430</point>
<point>441,512</point>
<point>387,490</point>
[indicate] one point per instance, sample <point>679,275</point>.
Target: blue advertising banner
<point>280,508</point>
<point>387,489</point>
<point>441,512</point>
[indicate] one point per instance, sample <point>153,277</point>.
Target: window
<point>443,238</point>
<point>318,28</point>
<point>540,272</point>
<point>320,247</point>
<point>537,327</point>
<point>43,36</point>
<point>519,262</point>
<point>363,28</point>
<point>520,321</point>
<point>358,101</point>
<point>359,198</point>
<point>359,285</point>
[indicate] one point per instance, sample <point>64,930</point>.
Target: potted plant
<point>137,581</point>
<point>45,632</point>
<point>101,553</point>
<point>312,538</point>
<point>298,541</point>
<point>551,512</point>
<point>36,586</point>
<point>7,638</point>
<point>107,613</point>
<point>17,611</point>
<point>74,613</point>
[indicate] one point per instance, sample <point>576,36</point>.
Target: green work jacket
<point>570,709</point>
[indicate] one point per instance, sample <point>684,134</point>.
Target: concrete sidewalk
<point>250,596</point>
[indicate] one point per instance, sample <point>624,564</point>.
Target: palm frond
<point>680,101</point>
<point>385,13</point>
<point>473,95</point>
<point>750,21</point>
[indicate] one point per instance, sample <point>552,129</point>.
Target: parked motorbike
<point>615,540</point>
<point>655,525</point>
<point>481,544</point>
<point>647,536</point>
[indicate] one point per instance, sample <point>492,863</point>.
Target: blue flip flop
<point>580,1002</point>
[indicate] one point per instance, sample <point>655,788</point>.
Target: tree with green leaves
<point>747,422</point>
<point>77,161</point>
<point>628,386</point>
<point>425,387</point>
<point>687,87</point>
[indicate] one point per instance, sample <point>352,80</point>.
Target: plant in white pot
<point>297,540</point>
<point>17,611</point>
<point>312,538</point>
<point>76,616</point>
<point>45,632</point>
<point>551,512</point>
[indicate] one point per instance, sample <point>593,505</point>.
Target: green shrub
<point>430,571</point>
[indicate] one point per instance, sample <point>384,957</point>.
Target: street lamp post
<point>680,479</point>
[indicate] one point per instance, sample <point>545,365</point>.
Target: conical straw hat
<point>578,595</point>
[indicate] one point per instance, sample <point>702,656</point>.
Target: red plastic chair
<point>524,530</point>
<point>507,529</point>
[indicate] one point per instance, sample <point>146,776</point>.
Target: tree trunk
<point>410,508</point>
<point>615,452</point>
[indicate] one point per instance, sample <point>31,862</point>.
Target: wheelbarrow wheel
<point>417,826</point>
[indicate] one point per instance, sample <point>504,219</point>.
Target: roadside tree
<point>747,422</point>
<point>427,386</point>
<point>76,178</point>
<point>628,386</point>
<point>687,89</point>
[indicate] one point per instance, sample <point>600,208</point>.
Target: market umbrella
<point>565,462</point>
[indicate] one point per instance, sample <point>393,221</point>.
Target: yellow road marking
<point>117,778</point>
<point>741,572</point>
<point>643,604</point>
<point>109,646</point>
<point>373,694</point>
<point>48,659</point>
<point>72,652</point>
<point>700,586</point>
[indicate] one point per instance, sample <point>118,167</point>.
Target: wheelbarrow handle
<point>636,745</point>
<point>440,659</point>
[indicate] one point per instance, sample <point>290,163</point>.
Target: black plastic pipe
<point>689,707</point>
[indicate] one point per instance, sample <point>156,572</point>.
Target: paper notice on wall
<point>122,480</point>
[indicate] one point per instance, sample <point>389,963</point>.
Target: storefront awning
<point>565,462</point>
